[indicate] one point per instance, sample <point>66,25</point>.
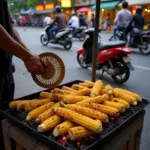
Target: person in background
<point>122,19</point>
<point>107,22</point>
<point>47,20</point>
<point>82,21</point>
<point>92,21</point>
<point>137,24</point>
<point>74,22</point>
<point>60,22</point>
<point>11,44</point>
<point>24,22</point>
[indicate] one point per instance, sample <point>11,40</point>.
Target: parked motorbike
<point>113,57</point>
<point>62,37</point>
<point>141,41</point>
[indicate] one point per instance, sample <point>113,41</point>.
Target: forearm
<point>7,43</point>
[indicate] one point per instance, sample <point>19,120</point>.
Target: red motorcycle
<point>113,57</point>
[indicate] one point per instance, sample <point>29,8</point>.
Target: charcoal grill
<point>90,143</point>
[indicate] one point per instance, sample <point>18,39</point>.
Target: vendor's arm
<point>7,43</point>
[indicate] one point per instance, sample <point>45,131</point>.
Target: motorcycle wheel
<point>68,45</point>
<point>44,40</point>
<point>145,51</point>
<point>81,60</point>
<point>123,74</point>
<point>82,37</point>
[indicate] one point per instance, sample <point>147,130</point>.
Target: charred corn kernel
<point>83,92</point>
<point>77,87</point>
<point>57,97</point>
<point>46,114</point>
<point>107,90</point>
<point>49,124</point>
<point>118,106</point>
<point>121,101</point>
<point>68,88</point>
<point>85,85</point>
<point>32,105</point>
<point>79,132</point>
<point>96,88</point>
<point>98,99</point>
<point>88,112</point>
<point>36,112</point>
<point>82,120</point>
<point>122,95</point>
<point>62,129</point>
<point>14,104</point>
<point>136,96</point>
<point>90,83</point>
<point>70,99</point>
<point>104,109</point>
<point>45,95</point>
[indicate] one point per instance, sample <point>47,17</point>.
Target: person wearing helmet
<point>138,23</point>
<point>59,22</point>
<point>82,21</point>
<point>122,19</point>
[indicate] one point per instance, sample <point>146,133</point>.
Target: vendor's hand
<point>34,64</point>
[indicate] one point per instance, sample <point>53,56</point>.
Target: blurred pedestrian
<point>108,23</point>
<point>92,21</point>
<point>82,21</point>
<point>24,22</point>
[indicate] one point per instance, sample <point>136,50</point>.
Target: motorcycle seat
<point>61,30</point>
<point>110,44</point>
<point>145,32</point>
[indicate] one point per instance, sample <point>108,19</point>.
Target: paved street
<point>138,82</point>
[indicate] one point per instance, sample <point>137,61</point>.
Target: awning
<point>107,5</point>
<point>138,2</point>
<point>30,11</point>
<point>44,12</point>
<point>84,9</point>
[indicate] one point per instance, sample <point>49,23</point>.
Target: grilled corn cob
<point>118,106</point>
<point>62,128</point>
<point>57,97</point>
<point>122,95</point>
<point>85,85</point>
<point>45,95</point>
<point>68,88</point>
<point>88,112</point>
<point>79,132</point>
<point>36,112</point>
<point>77,87</point>
<point>70,99</point>
<point>138,97</point>
<point>13,104</point>
<point>96,88</point>
<point>32,105</point>
<point>49,124</point>
<point>45,115</point>
<point>107,90</point>
<point>121,101</point>
<point>98,99</point>
<point>90,83</point>
<point>104,109</point>
<point>79,119</point>
<point>83,92</point>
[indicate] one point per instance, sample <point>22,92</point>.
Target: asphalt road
<point>138,82</point>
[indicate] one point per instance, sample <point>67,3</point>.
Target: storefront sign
<point>66,3</point>
<point>49,6</point>
<point>39,8</point>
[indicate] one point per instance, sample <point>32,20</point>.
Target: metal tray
<point>47,138</point>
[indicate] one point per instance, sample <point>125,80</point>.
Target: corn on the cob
<point>36,112</point>
<point>82,120</point>
<point>83,92</point>
<point>96,88</point>
<point>32,105</point>
<point>45,95</point>
<point>45,115</point>
<point>67,92</point>
<point>118,106</point>
<point>98,99</point>
<point>77,87</point>
<point>121,101</point>
<point>79,132</point>
<point>88,112</point>
<point>13,104</point>
<point>138,97</point>
<point>104,109</point>
<point>70,99</point>
<point>68,88</point>
<point>57,97</point>
<point>85,85</point>
<point>62,128</point>
<point>107,90</point>
<point>49,124</point>
<point>90,83</point>
<point>122,95</point>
